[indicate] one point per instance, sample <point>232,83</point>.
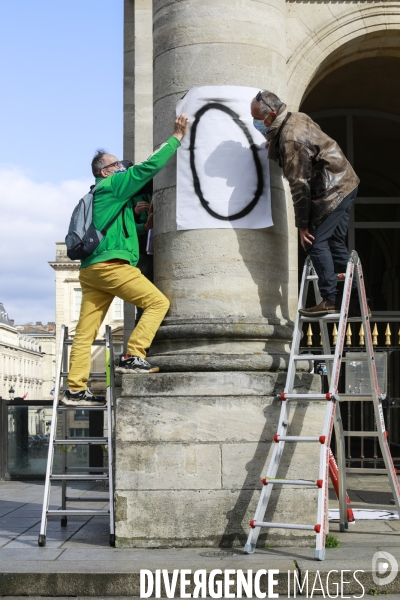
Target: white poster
<point>223,170</point>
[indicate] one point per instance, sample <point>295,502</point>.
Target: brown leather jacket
<point>319,174</point>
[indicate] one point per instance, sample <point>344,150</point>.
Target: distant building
<point>46,336</point>
<point>21,361</point>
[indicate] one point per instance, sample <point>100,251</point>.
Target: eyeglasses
<point>117,164</point>
<point>259,97</point>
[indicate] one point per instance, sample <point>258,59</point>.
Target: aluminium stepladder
<point>76,474</point>
<point>332,415</point>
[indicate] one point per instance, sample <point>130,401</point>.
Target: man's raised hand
<point>181,125</point>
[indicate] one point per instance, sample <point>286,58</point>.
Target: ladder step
<point>314,357</point>
<point>62,407</point>
<point>94,469</point>
<point>355,397</point>
<point>286,396</point>
<point>94,374</point>
<point>94,343</point>
<point>298,438</point>
<point>86,499</point>
<point>360,433</point>
<point>361,471</point>
<point>78,512</point>
<point>255,523</point>
<point>328,357</point>
<point>81,441</point>
<point>366,506</point>
<point>312,277</point>
<point>301,482</point>
<point>78,477</point>
<point>329,318</point>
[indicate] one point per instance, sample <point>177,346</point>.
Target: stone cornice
<point>64,266</point>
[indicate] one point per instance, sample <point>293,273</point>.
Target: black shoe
<point>82,398</point>
<point>326,307</point>
<point>135,364</point>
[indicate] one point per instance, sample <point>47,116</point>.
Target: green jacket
<point>114,196</point>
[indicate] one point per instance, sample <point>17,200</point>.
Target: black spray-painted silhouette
<point>254,149</point>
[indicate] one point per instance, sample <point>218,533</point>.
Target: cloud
<point>33,217</point>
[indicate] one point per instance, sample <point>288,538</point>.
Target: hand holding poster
<point>223,170</point>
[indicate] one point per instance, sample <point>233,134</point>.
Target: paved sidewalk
<point>78,561</point>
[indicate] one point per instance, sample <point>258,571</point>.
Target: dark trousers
<point>329,252</point>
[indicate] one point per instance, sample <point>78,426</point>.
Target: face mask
<point>122,170</point>
<point>259,125</point>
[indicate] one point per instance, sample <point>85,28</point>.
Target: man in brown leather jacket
<point>323,186</point>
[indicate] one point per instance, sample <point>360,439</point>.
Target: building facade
<point>21,362</point>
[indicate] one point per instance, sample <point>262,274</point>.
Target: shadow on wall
<point>265,252</point>
<point>237,528</point>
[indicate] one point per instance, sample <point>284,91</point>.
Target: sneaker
<point>326,307</point>
<point>135,364</point>
<point>82,398</point>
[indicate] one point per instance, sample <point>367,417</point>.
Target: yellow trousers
<point>100,283</point>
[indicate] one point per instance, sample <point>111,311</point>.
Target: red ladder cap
<point>319,483</point>
<point>253,523</point>
<point>265,481</point>
<point>276,438</point>
<point>328,396</point>
<point>283,396</point>
<point>386,434</point>
<point>341,275</point>
<point>322,439</point>
<point>317,528</point>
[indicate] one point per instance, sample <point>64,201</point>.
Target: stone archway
<point>331,40</point>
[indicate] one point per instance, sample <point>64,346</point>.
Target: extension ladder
<point>332,415</point>
<point>77,474</point>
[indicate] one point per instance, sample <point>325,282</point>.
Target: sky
<point>61,98</point>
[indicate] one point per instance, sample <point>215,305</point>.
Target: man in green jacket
<point>111,269</point>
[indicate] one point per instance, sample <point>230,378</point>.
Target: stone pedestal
<point>191,452</point>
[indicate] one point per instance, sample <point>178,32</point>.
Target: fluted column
<point>228,288</point>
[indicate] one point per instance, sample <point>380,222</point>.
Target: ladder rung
<point>86,499</point>
<point>78,512</point>
<point>303,396</point>
<point>314,357</point>
<point>94,343</point>
<point>358,471</point>
<point>78,477</point>
<point>355,397</point>
<point>62,407</point>
<point>301,482</point>
<point>94,469</point>
<point>81,441</point>
<point>255,523</point>
<point>94,374</point>
<point>360,433</point>
<point>298,438</point>
<point>312,277</point>
<point>330,318</point>
<point>367,506</point>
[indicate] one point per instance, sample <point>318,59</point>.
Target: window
<point>77,303</point>
<point>118,309</point>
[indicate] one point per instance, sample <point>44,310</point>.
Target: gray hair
<point>98,162</point>
<point>269,102</point>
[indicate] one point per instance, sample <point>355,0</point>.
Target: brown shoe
<point>326,307</point>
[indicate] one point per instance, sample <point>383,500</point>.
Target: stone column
<point>191,446</point>
<point>138,98</point>
<point>228,288</point>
